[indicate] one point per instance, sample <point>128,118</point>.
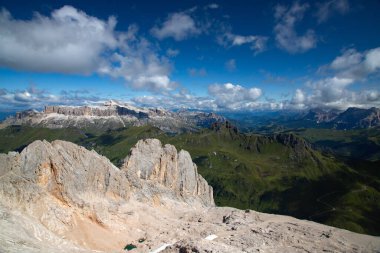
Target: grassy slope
<point>360,144</point>
<point>249,171</point>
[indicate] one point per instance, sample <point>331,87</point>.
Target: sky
<point>233,56</point>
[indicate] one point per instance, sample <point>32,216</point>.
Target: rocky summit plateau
<point>60,197</point>
<point>113,115</point>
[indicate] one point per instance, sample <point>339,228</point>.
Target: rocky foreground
<point>59,197</point>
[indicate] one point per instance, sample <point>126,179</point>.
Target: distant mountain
<point>352,118</point>
<point>358,118</point>
<point>318,115</point>
<point>112,115</point>
<point>269,122</point>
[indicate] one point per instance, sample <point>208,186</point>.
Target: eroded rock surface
<point>59,197</point>
<point>150,160</point>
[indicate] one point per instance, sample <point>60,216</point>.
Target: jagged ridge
<point>59,197</point>
<point>113,115</point>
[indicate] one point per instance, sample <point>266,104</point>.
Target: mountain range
<point>349,119</point>
<point>277,173</point>
<point>112,115</point>
<point>317,165</point>
<point>352,118</point>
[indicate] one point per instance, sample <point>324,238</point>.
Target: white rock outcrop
<point>59,197</point>
<point>149,160</point>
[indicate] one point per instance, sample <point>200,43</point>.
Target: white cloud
<point>178,26</point>
<point>333,92</point>
<point>242,99</point>
<point>226,97</point>
<point>357,65</point>
<point>234,97</point>
<point>181,99</point>
<point>37,99</point>
<point>326,9</point>
<point>329,90</point>
<point>230,65</point>
<point>285,33</point>
<point>348,69</point>
<point>257,43</point>
<point>349,58</point>
<point>70,41</point>
<point>142,69</point>
<point>299,99</point>
<point>372,60</point>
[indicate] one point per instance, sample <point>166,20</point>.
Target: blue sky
<point>220,56</point>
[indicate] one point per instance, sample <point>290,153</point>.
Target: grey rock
<point>112,115</point>
<point>59,197</point>
<point>150,160</point>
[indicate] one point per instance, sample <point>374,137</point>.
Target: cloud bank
<point>71,42</point>
<point>352,67</point>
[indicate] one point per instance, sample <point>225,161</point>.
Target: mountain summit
<point>60,197</point>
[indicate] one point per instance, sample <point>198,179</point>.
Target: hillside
<point>278,173</point>
<point>60,197</point>
<point>359,144</point>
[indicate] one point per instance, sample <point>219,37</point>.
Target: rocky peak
<point>71,173</point>
<point>27,113</point>
<point>59,197</point>
<point>225,127</point>
<point>150,160</point>
<point>68,188</point>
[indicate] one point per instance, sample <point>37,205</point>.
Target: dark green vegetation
<point>276,173</point>
<point>363,144</point>
<point>129,247</point>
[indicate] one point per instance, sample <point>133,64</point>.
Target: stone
<point>150,160</point>
<point>60,197</point>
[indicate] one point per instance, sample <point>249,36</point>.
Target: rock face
<point>150,160</point>
<point>113,115</point>
<point>66,187</point>
<point>59,197</point>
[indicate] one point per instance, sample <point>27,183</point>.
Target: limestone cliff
<point>63,185</point>
<point>112,115</point>
<point>150,160</point>
<point>59,197</point>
